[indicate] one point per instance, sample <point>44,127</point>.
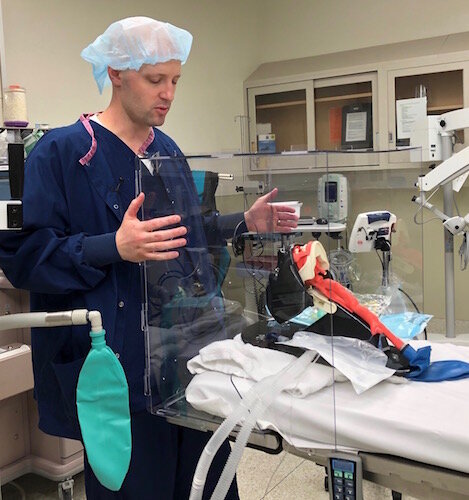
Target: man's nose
<point>168,92</point>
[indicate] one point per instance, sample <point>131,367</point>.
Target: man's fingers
<point>169,234</point>
<point>135,205</point>
<point>164,234</point>
<point>270,196</point>
<point>285,219</point>
<point>173,254</point>
<point>164,250</point>
<point>160,222</point>
<point>284,211</point>
<point>161,250</point>
<point>163,246</point>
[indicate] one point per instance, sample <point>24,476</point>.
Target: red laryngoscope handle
<point>337,293</point>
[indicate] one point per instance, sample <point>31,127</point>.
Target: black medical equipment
<point>345,475</point>
<point>286,297</point>
<point>11,211</point>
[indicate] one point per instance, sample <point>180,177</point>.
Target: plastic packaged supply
<point>407,325</point>
<point>31,140</point>
<point>14,107</point>
<point>3,148</point>
<point>377,303</point>
<point>359,361</point>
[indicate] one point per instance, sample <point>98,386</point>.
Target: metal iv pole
<point>446,152</point>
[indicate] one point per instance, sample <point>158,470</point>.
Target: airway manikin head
<point>134,41</point>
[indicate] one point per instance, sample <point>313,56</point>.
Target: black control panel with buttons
<point>345,477</point>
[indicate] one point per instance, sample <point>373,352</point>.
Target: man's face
<point>147,94</point>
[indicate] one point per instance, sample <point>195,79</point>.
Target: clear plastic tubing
<point>259,397</point>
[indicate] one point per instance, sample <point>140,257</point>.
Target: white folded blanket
<point>234,357</point>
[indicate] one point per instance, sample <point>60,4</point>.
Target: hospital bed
<point>408,435</point>
<point>401,475</point>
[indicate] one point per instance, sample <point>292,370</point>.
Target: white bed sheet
<point>427,422</point>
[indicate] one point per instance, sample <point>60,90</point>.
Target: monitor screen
<point>330,192</point>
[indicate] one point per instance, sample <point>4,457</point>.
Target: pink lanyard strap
<point>85,120</point>
<point>143,148</point>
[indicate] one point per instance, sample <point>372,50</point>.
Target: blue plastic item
<point>443,370</point>
<point>104,413</point>
<point>419,360</point>
<point>199,181</point>
<point>134,41</point>
<point>438,371</point>
<point>406,325</point>
<point>308,316</point>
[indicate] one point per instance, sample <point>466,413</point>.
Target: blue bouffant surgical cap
<point>132,42</point>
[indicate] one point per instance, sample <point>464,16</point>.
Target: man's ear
<point>114,76</point>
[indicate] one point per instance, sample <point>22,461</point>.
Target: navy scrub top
<point>67,257</point>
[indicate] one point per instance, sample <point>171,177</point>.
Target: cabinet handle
<point>390,137</point>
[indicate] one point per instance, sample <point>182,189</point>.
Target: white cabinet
<point>441,84</point>
<point>26,449</point>
<point>345,112</point>
<point>348,100</point>
<point>312,115</point>
<point>286,110</point>
<point>323,114</point>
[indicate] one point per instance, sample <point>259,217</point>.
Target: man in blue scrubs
<point>83,239</point>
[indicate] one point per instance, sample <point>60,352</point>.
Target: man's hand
<point>265,218</point>
<point>138,240</point>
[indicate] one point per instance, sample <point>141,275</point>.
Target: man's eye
<point>155,82</point>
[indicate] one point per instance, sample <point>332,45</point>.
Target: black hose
<point>416,308</point>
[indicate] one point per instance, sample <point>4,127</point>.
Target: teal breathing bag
<point>104,414</point>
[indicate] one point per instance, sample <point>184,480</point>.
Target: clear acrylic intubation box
<point>217,288</point>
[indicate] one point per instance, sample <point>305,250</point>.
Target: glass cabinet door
<point>279,118</point>
<point>442,86</point>
<point>345,112</point>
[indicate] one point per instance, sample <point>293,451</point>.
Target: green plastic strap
<point>104,414</point>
